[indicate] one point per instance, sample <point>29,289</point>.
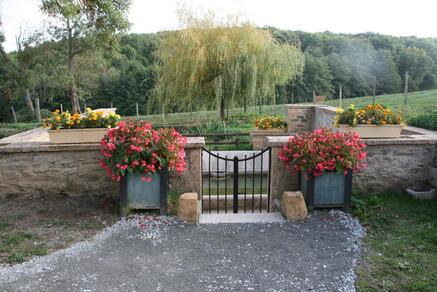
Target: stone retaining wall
<point>393,164</point>
<point>29,169</point>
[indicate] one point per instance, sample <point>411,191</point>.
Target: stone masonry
<point>30,169</point>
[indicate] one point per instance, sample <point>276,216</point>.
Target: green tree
<point>417,62</point>
<point>316,77</point>
<point>77,19</point>
<point>211,63</point>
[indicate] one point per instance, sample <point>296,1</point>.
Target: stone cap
<point>37,140</point>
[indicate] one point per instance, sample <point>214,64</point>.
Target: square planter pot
<point>77,136</point>
<point>331,189</point>
<point>373,131</point>
<point>139,195</point>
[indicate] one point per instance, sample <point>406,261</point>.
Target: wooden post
<point>62,108</point>
<point>374,90</point>
<point>405,106</point>
<point>340,95</point>
<point>136,109</point>
<point>38,110</point>
<point>13,113</point>
<point>111,105</point>
<point>84,106</point>
<point>314,96</point>
<point>292,97</point>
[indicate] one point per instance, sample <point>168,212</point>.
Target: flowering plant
<point>135,147</point>
<point>371,114</point>
<point>270,123</point>
<point>324,150</point>
<point>90,119</point>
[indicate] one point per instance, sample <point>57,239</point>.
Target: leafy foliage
<point>209,63</point>
<point>426,121</point>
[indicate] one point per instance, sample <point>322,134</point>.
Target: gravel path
<point>148,253</point>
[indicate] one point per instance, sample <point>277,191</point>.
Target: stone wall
<point>395,165</point>
<point>34,169</point>
<point>323,117</point>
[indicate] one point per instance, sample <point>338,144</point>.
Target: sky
<point>393,17</point>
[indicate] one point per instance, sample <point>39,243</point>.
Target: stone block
<point>293,206</point>
<point>188,208</point>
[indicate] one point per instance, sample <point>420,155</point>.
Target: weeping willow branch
<point>212,63</point>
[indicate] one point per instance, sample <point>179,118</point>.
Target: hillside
<point>419,102</point>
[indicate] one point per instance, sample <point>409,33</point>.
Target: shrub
<point>323,150</point>
<point>371,114</point>
<point>135,147</point>
<point>426,121</point>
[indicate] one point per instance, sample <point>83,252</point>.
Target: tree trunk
<point>72,91</point>
<point>29,103</point>
<point>222,109</point>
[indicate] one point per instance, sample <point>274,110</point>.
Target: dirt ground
<point>38,226</point>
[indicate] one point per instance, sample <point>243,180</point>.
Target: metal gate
<point>235,181</point>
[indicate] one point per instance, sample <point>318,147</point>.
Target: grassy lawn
<point>419,102</point>
<point>400,249</point>
<point>12,129</point>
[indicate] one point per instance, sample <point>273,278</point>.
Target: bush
<point>426,121</point>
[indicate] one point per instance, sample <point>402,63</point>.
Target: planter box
<point>373,131</point>
<point>136,194</point>
<point>76,136</point>
<point>273,130</point>
<point>331,189</point>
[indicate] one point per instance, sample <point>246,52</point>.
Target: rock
<point>293,206</point>
<point>188,208</point>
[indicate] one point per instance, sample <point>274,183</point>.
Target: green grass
<point>18,246</point>
<point>419,102</point>
<point>400,249</point>
<point>12,129</point>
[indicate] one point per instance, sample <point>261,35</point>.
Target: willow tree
<point>210,63</point>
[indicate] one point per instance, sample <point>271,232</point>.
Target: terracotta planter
<point>273,130</point>
<point>373,131</point>
<point>77,136</point>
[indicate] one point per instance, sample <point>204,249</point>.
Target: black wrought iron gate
<point>250,187</point>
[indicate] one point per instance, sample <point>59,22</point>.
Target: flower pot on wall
<point>373,131</point>
<point>331,189</point>
<point>135,193</point>
<point>77,136</point>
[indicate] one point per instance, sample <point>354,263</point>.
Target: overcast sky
<point>394,17</point>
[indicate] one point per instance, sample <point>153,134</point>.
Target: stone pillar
<point>281,178</point>
<point>191,180</point>
<point>299,117</point>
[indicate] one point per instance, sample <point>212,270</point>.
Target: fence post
<point>136,108</point>
<point>62,108</point>
<point>235,187</point>
<point>13,113</point>
<point>38,110</point>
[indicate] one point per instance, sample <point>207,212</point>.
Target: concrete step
<point>228,203</point>
<point>241,218</point>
